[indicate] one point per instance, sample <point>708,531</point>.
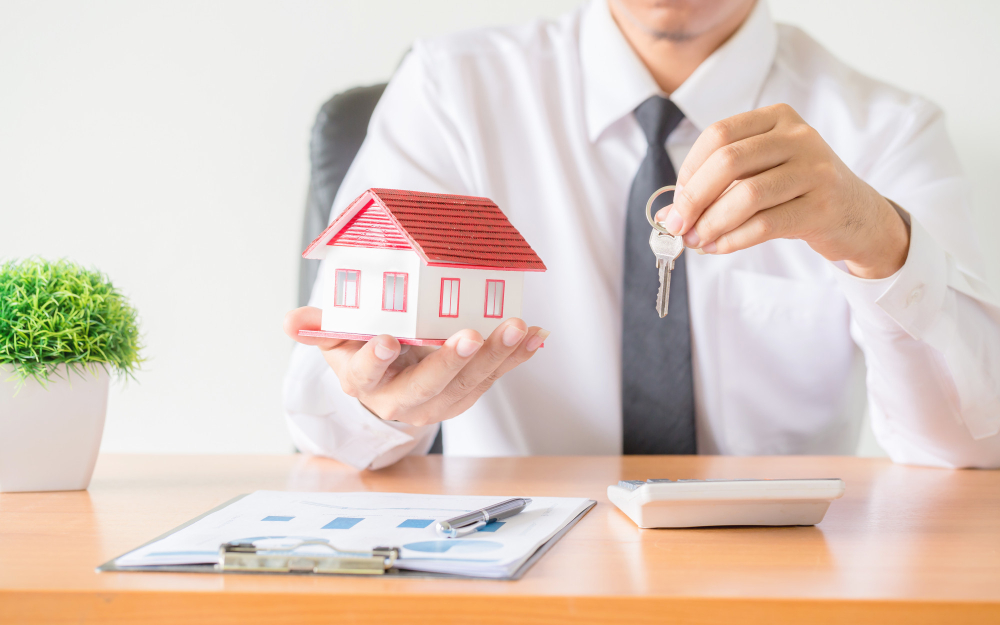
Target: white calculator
<point>708,503</point>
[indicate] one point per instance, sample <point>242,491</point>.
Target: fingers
<point>428,391</point>
<point>525,350</point>
<point>729,130</point>
<point>747,197</point>
<point>462,393</point>
<point>503,342</point>
<point>731,162</point>
<point>735,148</point>
<point>362,365</point>
<point>774,223</point>
<point>359,366</point>
<point>307,318</point>
<point>431,376</point>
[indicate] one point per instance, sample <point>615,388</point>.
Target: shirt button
<point>915,296</point>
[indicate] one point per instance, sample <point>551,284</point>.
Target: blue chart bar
<point>277,518</point>
<point>342,523</point>
<point>416,523</point>
<point>492,526</point>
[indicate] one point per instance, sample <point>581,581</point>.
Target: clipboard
<point>244,559</point>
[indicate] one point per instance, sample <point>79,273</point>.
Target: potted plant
<point>64,332</point>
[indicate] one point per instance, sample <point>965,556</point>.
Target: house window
<point>347,288</point>
<point>494,298</point>
<point>394,291</point>
<point>449,297</point>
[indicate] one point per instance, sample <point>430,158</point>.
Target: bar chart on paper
<point>363,521</point>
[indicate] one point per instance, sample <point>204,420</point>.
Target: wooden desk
<point>904,545</point>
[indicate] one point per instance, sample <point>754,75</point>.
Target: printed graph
<point>416,523</point>
<point>454,546</point>
<point>343,523</point>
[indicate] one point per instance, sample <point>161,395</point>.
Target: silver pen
<point>471,521</point>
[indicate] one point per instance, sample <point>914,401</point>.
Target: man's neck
<point>671,61</point>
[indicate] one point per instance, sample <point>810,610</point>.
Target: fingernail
<point>691,239</point>
<point>383,353</point>
<point>661,214</point>
<point>467,347</point>
<point>710,248</point>
<point>673,223</point>
<point>513,335</point>
<point>700,251</point>
<point>536,341</point>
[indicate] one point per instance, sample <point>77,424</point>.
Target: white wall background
<point>165,142</point>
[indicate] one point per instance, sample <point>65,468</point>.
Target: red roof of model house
<point>445,230</point>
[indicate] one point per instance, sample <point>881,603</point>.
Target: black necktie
<point>657,384</point>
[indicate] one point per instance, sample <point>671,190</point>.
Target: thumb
<point>308,318</point>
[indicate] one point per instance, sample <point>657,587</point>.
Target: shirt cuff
<point>353,435</point>
<point>912,299</point>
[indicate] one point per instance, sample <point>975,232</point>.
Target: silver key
<point>666,248</point>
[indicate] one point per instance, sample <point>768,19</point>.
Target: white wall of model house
<point>422,318</point>
<point>471,300</point>
<point>368,317</point>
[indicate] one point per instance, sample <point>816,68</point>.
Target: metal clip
<point>247,555</point>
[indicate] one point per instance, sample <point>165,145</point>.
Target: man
<point>785,159</point>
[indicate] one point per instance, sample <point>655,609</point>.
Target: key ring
<point>649,209</point>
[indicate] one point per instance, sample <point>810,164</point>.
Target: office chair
<point>340,128</point>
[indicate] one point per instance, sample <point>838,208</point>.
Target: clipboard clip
<point>280,556</point>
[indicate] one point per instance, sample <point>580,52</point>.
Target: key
<point>666,248</point>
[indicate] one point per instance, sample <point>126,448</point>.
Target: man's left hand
<point>766,174</point>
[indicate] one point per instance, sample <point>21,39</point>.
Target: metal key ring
<point>649,208</point>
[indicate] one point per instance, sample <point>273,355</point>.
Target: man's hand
<point>767,174</point>
<point>420,385</point>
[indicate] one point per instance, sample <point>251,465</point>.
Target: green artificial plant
<point>59,314</point>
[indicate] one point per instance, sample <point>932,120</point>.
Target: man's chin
<point>665,23</point>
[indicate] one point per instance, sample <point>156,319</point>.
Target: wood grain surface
<point>904,545</point>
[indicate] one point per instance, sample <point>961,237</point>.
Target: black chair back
<point>340,128</point>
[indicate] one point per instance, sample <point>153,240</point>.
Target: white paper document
<point>363,521</point>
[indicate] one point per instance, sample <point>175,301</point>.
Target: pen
<point>471,521</point>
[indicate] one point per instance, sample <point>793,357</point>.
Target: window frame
<point>357,287</point>
<point>456,290</point>
<point>486,299</point>
<point>406,284</point>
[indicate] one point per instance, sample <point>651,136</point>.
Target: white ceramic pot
<point>49,437</point>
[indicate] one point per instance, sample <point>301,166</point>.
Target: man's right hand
<point>420,385</point>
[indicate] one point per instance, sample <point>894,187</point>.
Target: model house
<point>420,266</point>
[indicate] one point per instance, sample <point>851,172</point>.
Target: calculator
<point>713,502</point>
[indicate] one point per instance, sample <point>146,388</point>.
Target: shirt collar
<point>615,81</point>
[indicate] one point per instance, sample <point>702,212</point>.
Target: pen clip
<point>465,530</point>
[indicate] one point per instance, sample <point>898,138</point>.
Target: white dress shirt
<point>539,118</point>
